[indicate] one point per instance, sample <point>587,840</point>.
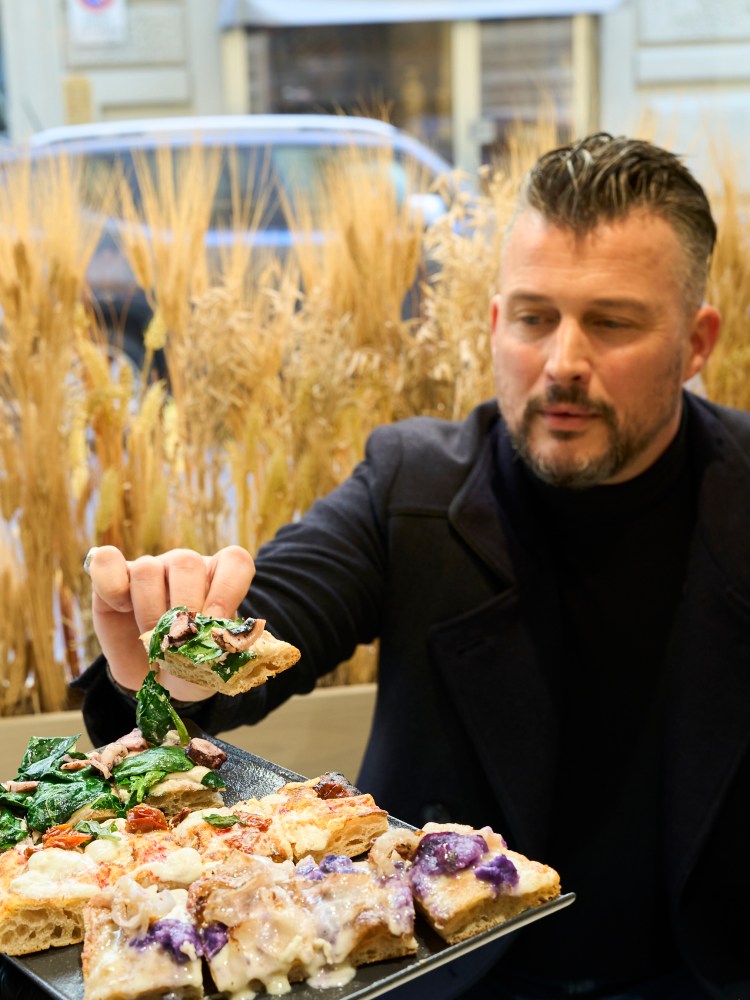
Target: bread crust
<point>272,657</point>
<point>459,905</point>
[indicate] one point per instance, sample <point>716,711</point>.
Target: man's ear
<point>703,336</point>
<point>495,306</point>
<point>494,311</point>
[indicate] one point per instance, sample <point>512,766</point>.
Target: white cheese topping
<point>182,866</point>
<point>175,781</point>
<point>104,849</point>
<point>54,872</point>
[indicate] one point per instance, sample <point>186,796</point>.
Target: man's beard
<point>624,444</point>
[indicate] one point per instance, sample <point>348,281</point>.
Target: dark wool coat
<point>411,551</point>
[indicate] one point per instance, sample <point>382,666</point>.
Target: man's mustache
<point>573,395</point>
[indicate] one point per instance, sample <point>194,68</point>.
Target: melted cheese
<point>313,926</point>
<point>175,782</point>
<point>181,866</point>
<point>114,967</point>
<point>55,872</point>
<point>108,851</point>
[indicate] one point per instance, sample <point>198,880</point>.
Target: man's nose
<point>569,357</point>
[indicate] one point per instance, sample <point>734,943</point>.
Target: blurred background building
<point>455,73</point>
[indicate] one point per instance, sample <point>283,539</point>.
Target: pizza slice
<point>44,886</point>
<point>325,815</point>
<point>247,826</point>
<point>157,764</point>
<point>224,654</point>
<point>139,942</point>
<point>265,924</point>
<point>464,880</point>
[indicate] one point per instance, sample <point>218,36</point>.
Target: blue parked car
<point>271,153</point>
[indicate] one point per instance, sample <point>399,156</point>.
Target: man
<point>561,591</point>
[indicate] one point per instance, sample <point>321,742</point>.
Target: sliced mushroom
<point>239,638</point>
<point>20,787</point>
<point>205,753</point>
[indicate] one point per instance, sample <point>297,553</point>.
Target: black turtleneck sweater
<point>601,571</point>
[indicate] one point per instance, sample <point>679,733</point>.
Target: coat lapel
<point>490,667</point>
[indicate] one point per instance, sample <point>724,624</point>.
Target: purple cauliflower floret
<point>213,938</point>
<point>444,854</point>
<point>309,870</point>
<point>336,863</point>
<point>171,936</point>
<point>499,871</point>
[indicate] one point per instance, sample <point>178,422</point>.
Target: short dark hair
<point>602,179</point>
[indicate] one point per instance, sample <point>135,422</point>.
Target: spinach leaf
<point>42,756</point>
<point>155,715</point>
<point>98,830</point>
<point>12,829</point>
<point>140,785</point>
<point>223,822</point>
<point>212,780</point>
<point>14,801</point>
<point>54,803</point>
<point>138,774</point>
<point>161,629</point>
<point>167,759</point>
<point>201,648</point>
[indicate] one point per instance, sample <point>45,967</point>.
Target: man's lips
<point>560,416</point>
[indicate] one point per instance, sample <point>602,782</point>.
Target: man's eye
<point>530,319</point>
<point>610,323</point>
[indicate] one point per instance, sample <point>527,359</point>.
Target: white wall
<point>326,730</point>
<point>168,64</point>
<point>33,64</point>
<point>678,71</point>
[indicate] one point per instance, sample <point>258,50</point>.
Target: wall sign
<point>97,22</point>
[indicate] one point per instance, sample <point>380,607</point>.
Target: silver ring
<point>87,560</point>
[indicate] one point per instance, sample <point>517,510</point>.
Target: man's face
<point>591,342</point>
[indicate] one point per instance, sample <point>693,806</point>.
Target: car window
<point>252,177</point>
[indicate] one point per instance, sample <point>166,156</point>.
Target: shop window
<point>397,71</point>
<point>527,78</point>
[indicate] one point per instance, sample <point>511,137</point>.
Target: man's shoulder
<point>457,438</point>
<point>734,423</point>
<point>425,460</point>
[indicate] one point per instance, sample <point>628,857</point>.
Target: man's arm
<point>319,584</point>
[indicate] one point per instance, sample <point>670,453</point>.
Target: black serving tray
<point>58,970</point>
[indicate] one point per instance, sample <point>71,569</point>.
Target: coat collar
<point>475,514</point>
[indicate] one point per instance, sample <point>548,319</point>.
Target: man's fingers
<point>128,598</point>
<point>110,578</point>
<point>186,579</point>
<point>148,590</point>
<point>230,573</point>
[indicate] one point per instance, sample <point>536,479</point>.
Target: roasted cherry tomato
<point>143,819</point>
<point>64,836</point>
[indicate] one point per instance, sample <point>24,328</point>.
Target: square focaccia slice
<point>44,887</point>
<point>139,943</point>
<point>464,880</point>
<point>182,783</point>
<point>246,827</point>
<point>265,924</point>
<point>325,815</point>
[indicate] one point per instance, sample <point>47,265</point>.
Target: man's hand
<point>129,597</point>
